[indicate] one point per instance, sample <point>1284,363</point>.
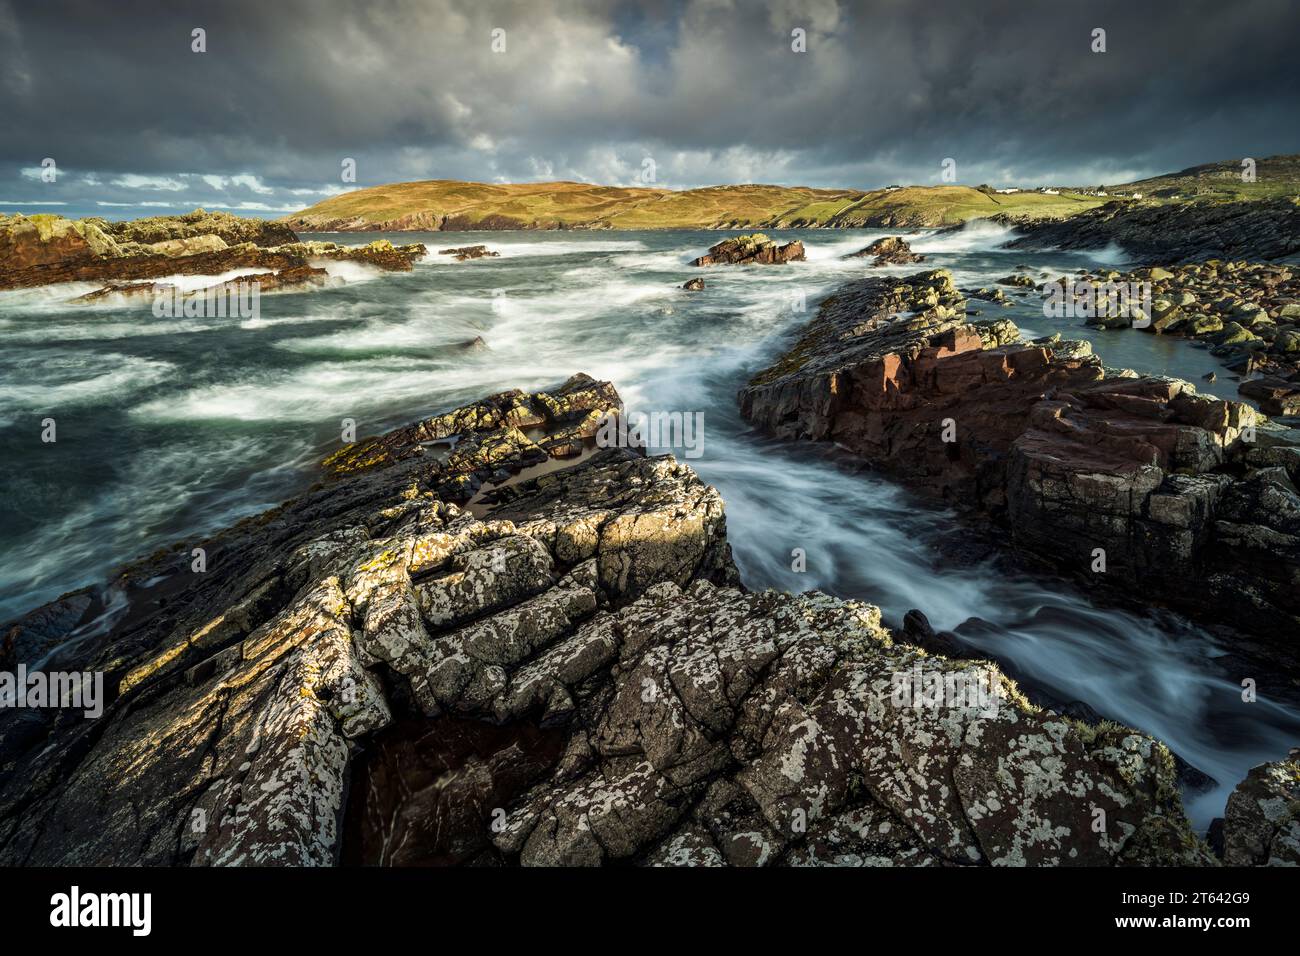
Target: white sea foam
<point>975,235</point>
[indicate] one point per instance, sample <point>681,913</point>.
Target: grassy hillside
<point>448,204</point>
<point>1274,176</point>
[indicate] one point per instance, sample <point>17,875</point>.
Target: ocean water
<point>171,428</point>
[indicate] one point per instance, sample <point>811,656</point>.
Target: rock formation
<point>468,252</point>
<point>43,249</point>
<point>453,649</point>
<point>889,251</point>
<point>755,248</point>
<point>1190,500</point>
<point>1172,232</point>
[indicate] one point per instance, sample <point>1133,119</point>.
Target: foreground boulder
<point>1262,819</point>
<point>1135,482</point>
<point>451,650</point>
<point>756,248</point>
<point>889,251</point>
<point>44,249</point>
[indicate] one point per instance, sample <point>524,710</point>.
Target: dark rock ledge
<point>454,649</point>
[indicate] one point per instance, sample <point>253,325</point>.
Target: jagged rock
<point>1039,438</point>
<point>693,285</point>
<point>889,251</point>
<point>396,667</point>
<point>1261,824</point>
<point>755,248</point>
<point>468,252</point>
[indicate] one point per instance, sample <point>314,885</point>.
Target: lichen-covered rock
<point>1261,825</point>
<point>761,729</point>
<point>237,694</point>
<point>406,666</point>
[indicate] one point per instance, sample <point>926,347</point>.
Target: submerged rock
<point>693,285</point>
<point>755,248</point>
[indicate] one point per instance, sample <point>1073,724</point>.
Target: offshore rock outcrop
<point>755,248</point>
<point>469,252</point>
<point>889,251</point>
<point>454,650</point>
<point>43,249</point>
<point>1172,232</point>
<point>1189,500</point>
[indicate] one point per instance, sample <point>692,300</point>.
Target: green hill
<point>1274,176</point>
<point>447,205</point>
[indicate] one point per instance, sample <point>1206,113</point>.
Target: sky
<point>697,92</point>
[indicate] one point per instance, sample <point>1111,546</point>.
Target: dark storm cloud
<point>709,89</point>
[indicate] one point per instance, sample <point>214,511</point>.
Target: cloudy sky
<point>712,91</point>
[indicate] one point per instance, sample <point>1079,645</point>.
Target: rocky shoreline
<point>1247,314</point>
<point>574,676</point>
<point>43,249</point>
<point>1171,232</point>
<point>1135,483</point>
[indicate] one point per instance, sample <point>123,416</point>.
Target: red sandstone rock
<point>1189,504</point>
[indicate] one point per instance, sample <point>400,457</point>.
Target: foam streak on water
<point>172,428</point>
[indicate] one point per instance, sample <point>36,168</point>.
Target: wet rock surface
<point>1247,314</point>
<point>567,672</point>
<point>44,249</point>
<point>756,248</point>
<point>1191,500</point>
